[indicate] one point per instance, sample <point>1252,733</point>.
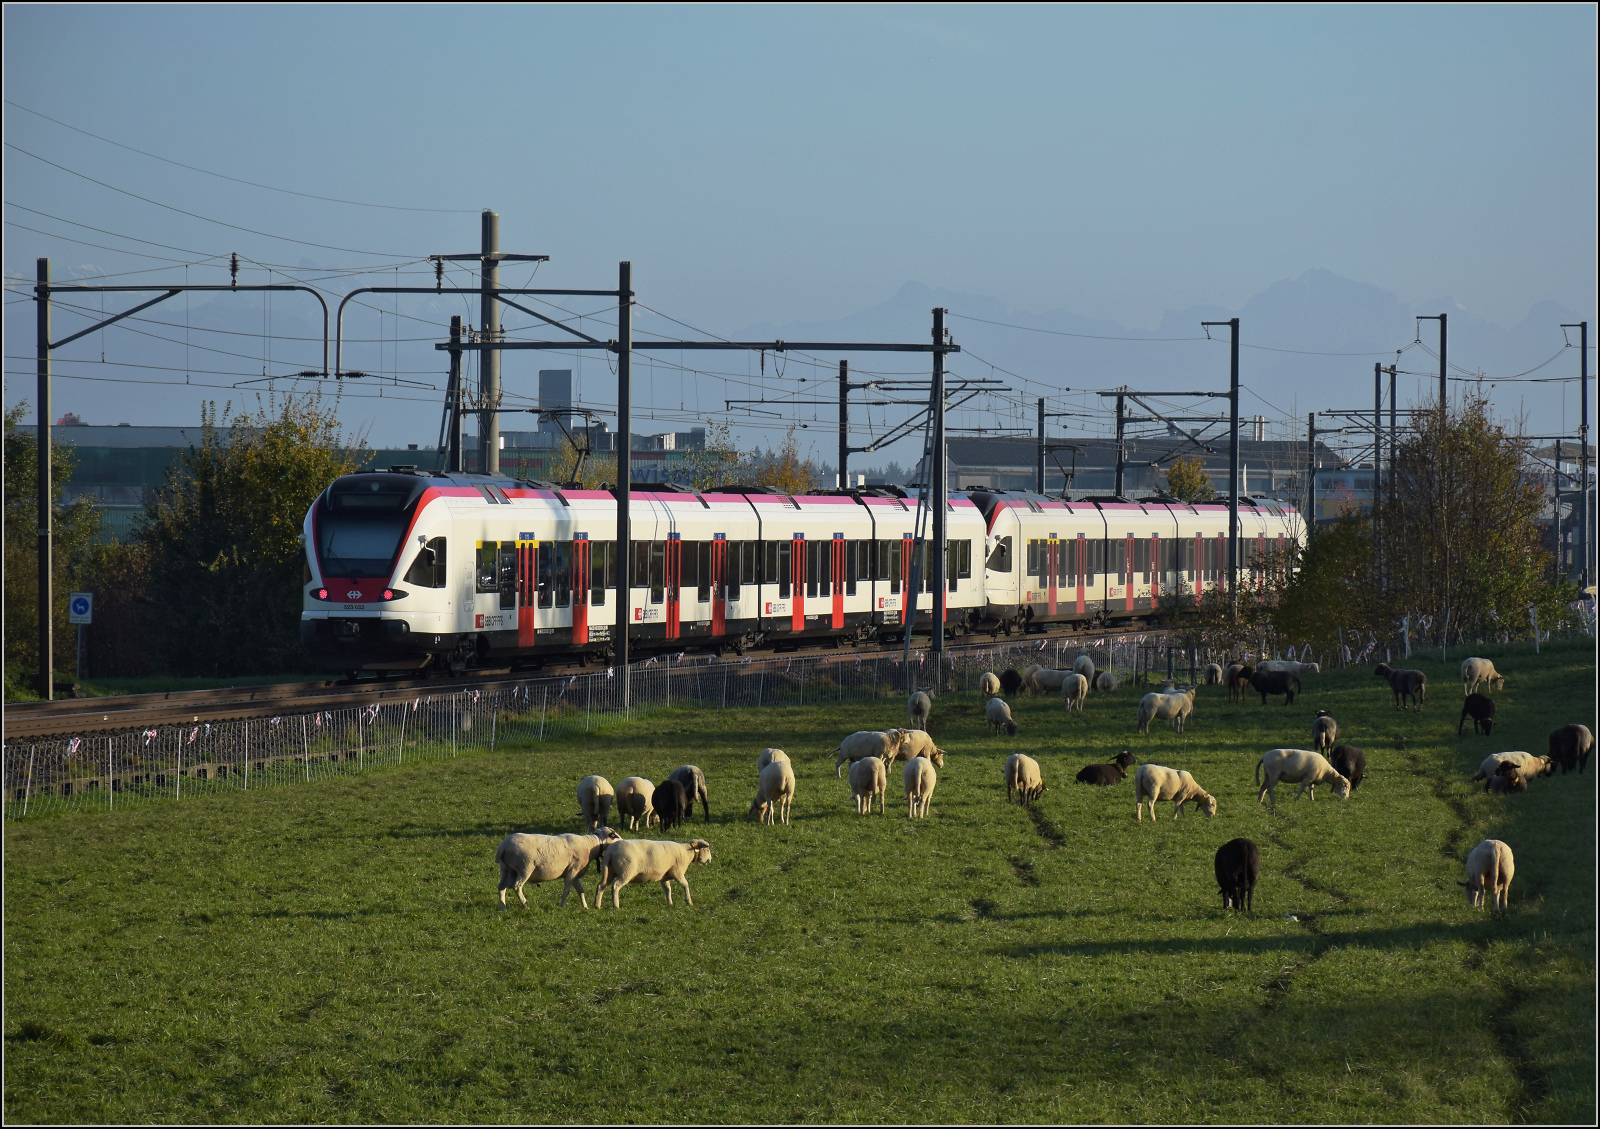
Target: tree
<point>223,538</point>
<point>782,470</point>
<point>1188,481</point>
<point>1332,589</point>
<point>75,529</point>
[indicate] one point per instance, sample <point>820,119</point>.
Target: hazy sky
<point>775,164</point>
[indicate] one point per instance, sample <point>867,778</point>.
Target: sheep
<point>672,804</point>
<point>1297,766</point>
<point>1212,675</point>
<point>868,778</point>
<point>1289,666</point>
<point>1101,775</point>
<point>1275,682</point>
<point>544,858</point>
<point>1156,782</point>
<point>1237,678</point>
<point>1084,665</point>
<point>1027,677</point>
<point>1489,870</point>
<point>1571,745</point>
<point>650,860</point>
<point>768,755</point>
<point>1411,684</point>
<point>1010,681</point>
<point>694,786</point>
<point>595,797</point>
<point>1474,671</point>
<point>1350,763</point>
<point>1124,759</point>
<point>774,794</point>
<point>634,797</point>
<point>1324,731</point>
<point>865,743</point>
<point>999,716</point>
<point>1480,708</point>
<point>1508,779</point>
<point>1527,764</point>
<point>1047,681</point>
<point>1024,782</point>
<point>1176,708</point>
<point>918,708</point>
<point>914,743</point>
<point>919,779</point>
<point>1074,691</point>
<point>1105,682</point>
<point>988,685</point>
<point>1237,866</point>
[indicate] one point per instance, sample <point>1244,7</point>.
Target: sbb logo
<point>479,622</point>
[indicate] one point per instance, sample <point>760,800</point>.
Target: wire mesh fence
<point>179,761</point>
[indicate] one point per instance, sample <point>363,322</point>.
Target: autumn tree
<point>1188,481</point>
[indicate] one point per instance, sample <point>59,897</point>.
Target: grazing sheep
<point>595,797</point>
<point>1571,745</point>
<point>865,743</point>
<point>1474,671</point>
<point>768,755</point>
<point>1237,679</point>
<point>1101,775</point>
<point>868,778</point>
<point>915,743</point>
<point>544,858</point>
<point>1105,682</point>
<point>1297,766</point>
<point>1027,677</point>
<point>1480,708</point>
<point>999,717</point>
<point>919,779</point>
<point>1010,682</point>
<point>918,708</point>
<point>1156,782</point>
<point>1237,866</point>
<point>774,794</point>
<point>649,860</point>
<point>1527,764</point>
<point>1324,731</point>
<point>1074,691</point>
<point>1084,665</point>
<point>988,685</point>
<point>694,786</point>
<point>1212,676</point>
<point>1412,684</point>
<point>1275,682</point>
<point>1508,779</point>
<point>1177,708</point>
<point>1047,681</point>
<point>1289,666</point>
<point>1024,782</point>
<point>1350,763</point>
<point>634,797</point>
<point>1489,870</point>
<point>672,804</point>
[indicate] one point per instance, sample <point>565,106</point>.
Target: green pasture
<point>335,952</point>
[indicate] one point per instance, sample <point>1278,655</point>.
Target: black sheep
<point>1123,759</point>
<point>1506,778</point>
<point>1480,708</point>
<point>694,787</point>
<point>1411,684</point>
<point>672,803</point>
<point>1103,775</point>
<point>1570,747</point>
<point>1238,865</point>
<point>1275,682</point>
<point>1011,682</point>
<point>1350,763</point>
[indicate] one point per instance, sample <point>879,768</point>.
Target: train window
<point>1097,560</point>
<point>747,563</point>
<point>1064,552</point>
<point>783,551</point>
<point>1000,556</point>
<point>889,555</point>
<point>639,565</point>
<point>657,554</point>
<point>544,567</point>
<point>508,574</point>
<point>689,565</point>
<point>1141,564</point>
<point>768,562</point>
<point>602,570</point>
<point>563,571</point>
<point>702,561</point>
<point>487,550</point>
<point>1032,566</point>
<point>428,570</point>
<point>812,553</point>
<point>852,566</point>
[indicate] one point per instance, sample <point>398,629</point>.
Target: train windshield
<point>352,547</point>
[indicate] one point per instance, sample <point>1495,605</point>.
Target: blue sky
<point>780,164</point>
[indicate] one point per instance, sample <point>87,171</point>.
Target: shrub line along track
<point>127,711</point>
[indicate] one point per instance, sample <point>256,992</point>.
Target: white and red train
<point>410,569</point>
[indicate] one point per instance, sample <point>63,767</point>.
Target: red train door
<point>1050,566</point>
<point>1127,591</point>
<point>1155,571</point>
<point>719,586</point>
<point>1199,564</point>
<point>580,588</point>
<point>907,546</point>
<point>1261,562</point>
<point>1083,564</point>
<point>527,583</point>
<point>838,579</point>
<point>674,566</point>
<point>1222,559</point>
<point>797,583</point>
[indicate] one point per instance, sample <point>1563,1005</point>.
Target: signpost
<point>80,610</point>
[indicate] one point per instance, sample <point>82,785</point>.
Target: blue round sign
<point>80,606</point>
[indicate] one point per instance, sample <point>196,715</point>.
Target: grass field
<point>336,953</point>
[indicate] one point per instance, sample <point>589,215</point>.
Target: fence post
<point>494,718</point>
<point>27,787</point>
<point>405,716</point>
<point>177,776</point>
<point>544,704</point>
<point>455,720</point>
<point>724,685</point>
<point>111,772</point>
<point>247,755</point>
<point>305,747</point>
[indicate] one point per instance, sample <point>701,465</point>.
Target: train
<point>414,570</point>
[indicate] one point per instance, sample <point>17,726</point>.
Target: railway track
<point>130,711</point>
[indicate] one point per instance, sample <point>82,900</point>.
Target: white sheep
<point>918,708</point>
<point>1474,671</point>
<point>1105,682</point>
<point>1156,782</point>
<point>595,797</point>
<point>1289,666</point>
<point>1027,677</point>
<point>1074,691</point>
<point>914,743</point>
<point>544,858</point>
<point>1176,707</point>
<point>1084,665</point>
<point>881,743</point>
<point>1489,870</point>
<point>774,794</point>
<point>868,778</point>
<point>635,797</point>
<point>999,717</point>
<point>1528,766</point>
<point>919,779</point>
<point>649,860</point>
<point>1212,675</point>
<point>1297,766</point>
<point>1047,681</point>
<point>989,685</point>
<point>1324,731</point>
<point>1024,782</point>
<point>768,756</point>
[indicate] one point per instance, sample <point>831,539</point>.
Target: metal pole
<point>939,465</point>
<point>844,425</point>
<point>1583,451</point>
<point>1311,474</point>
<point>1377,458</point>
<point>1040,477</point>
<point>1394,436</point>
<point>489,362</point>
<point>1444,352</point>
<point>453,460</point>
<point>1555,518</point>
<point>624,441</point>
<point>1117,485</point>
<point>47,601</point>
<point>1233,459</point>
